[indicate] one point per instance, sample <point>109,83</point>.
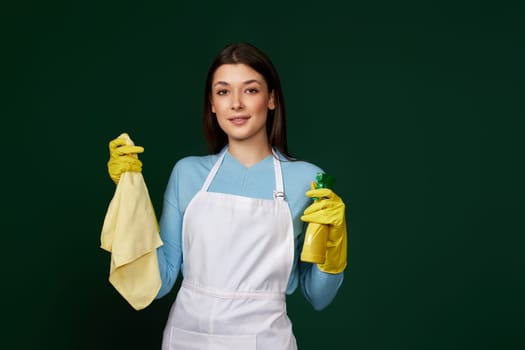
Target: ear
<point>271,101</point>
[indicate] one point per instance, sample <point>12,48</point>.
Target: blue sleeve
<point>319,287</point>
<point>170,253</point>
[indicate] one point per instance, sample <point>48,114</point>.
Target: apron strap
<point>278,193</point>
<point>214,170</point>
<point>279,188</point>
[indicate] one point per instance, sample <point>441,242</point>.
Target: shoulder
<point>192,165</point>
<point>297,177</point>
<point>300,171</point>
<point>187,176</point>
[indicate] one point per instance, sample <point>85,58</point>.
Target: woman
<point>231,221</point>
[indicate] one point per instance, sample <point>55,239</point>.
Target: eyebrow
<point>244,83</point>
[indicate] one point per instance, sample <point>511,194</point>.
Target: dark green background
<point>416,107</point>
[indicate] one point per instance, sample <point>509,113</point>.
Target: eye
<point>221,92</point>
<point>252,90</point>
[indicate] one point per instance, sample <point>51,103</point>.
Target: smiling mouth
<point>239,120</point>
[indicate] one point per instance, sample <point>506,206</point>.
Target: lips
<point>239,120</point>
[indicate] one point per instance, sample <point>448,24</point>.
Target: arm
<point>318,287</point>
<point>170,254</point>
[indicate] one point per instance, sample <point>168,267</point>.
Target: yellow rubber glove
<point>329,210</point>
<point>123,157</point>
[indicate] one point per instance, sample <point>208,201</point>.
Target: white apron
<point>238,255</point>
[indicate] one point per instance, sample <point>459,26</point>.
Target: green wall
<point>416,107</point>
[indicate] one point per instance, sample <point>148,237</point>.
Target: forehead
<point>236,73</point>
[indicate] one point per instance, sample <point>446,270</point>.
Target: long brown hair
<point>251,56</point>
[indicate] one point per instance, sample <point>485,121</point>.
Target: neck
<point>249,153</point>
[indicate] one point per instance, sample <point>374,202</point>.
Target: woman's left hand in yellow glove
<point>329,209</point>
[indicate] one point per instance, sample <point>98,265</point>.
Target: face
<point>241,100</point>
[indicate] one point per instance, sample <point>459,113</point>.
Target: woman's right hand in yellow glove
<point>123,157</point>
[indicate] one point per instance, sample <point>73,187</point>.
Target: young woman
<point>233,222</point>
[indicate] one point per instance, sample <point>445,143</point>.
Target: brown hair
<point>276,122</point>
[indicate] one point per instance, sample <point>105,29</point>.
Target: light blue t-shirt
<point>256,181</point>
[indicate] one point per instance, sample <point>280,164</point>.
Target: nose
<point>237,101</point>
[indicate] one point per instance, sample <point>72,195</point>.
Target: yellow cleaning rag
<point>131,234</point>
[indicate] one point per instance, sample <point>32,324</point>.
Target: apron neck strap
<point>214,170</point>
<point>279,188</point>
